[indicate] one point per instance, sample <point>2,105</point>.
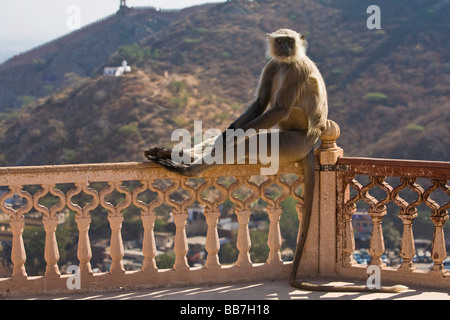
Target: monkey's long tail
<point>308,193</point>
<point>351,288</point>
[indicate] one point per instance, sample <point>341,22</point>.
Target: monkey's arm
<point>262,100</point>
<point>285,99</point>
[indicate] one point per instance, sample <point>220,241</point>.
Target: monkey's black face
<point>284,46</point>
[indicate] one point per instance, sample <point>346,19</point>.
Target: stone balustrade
<point>116,187</point>
<point>398,187</point>
<point>340,188</point>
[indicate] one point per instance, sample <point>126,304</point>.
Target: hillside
<point>54,66</point>
<point>388,89</point>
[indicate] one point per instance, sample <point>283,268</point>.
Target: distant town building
<point>362,226</point>
<point>117,71</point>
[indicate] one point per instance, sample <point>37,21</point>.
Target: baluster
<point>377,241</point>
<point>377,211</point>
<point>299,206</point>
<point>51,249</point>
<point>243,214</point>
<point>212,214</point>
<point>18,256</point>
<point>439,215</point>
<point>349,208</point>
<point>407,247</point>
<point>84,251</point>
<point>212,245</point>
<point>115,218</point>
<point>116,246</point>
<point>408,212</point>
<point>181,246</point>
<point>17,223</point>
<point>180,216</point>
<point>148,217</point>
<point>148,243</point>
<point>243,240</point>
<point>83,220</point>
<point>50,221</point>
<point>438,250</point>
<point>274,212</point>
<point>274,240</point>
<point>349,239</point>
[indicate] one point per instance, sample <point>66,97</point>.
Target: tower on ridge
<point>123,3</point>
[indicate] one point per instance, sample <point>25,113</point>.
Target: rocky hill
<point>388,89</point>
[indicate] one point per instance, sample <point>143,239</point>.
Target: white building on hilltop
<point>117,71</point>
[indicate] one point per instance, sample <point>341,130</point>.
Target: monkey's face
<point>284,46</point>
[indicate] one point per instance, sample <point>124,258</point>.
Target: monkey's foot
<point>158,152</point>
<point>179,168</point>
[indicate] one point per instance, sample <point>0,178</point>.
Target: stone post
<point>327,155</point>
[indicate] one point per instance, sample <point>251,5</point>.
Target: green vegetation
<point>132,53</point>
<point>192,41</point>
<point>180,100</point>
<point>337,71</point>
<point>358,50</point>
<point>165,260</point>
<point>181,122</point>
<point>25,101</point>
<point>201,30</point>
<point>129,129</point>
<point>71,156</point>
<point>58,134</point>
<point>415,127</point>
<point>180,94</point>
<point>221,116</point>
<point>259,252</point>
<point>226,55</point>
<point>375,97</point>
<point>228,252</point>
<point>177,86</point>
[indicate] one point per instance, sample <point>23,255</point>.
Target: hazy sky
<point>27,23</point>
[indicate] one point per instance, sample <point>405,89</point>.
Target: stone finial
<point>329,152</point>
<point>330,134</point>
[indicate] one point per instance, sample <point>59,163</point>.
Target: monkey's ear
<point>303,37</point>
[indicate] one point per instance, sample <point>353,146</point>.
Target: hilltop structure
<point>117,71</point>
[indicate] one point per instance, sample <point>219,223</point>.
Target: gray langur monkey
<point>292,96</point>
